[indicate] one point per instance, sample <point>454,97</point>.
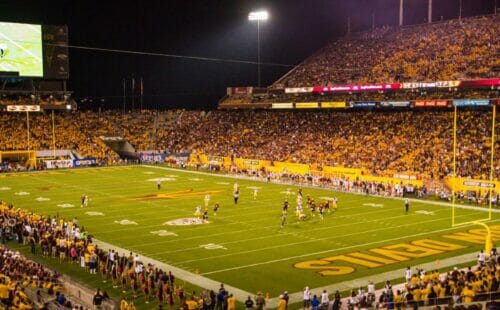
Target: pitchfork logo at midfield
<point>189,193</point>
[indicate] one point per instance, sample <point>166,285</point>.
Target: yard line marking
<point>475,208</point>
<point>270,236</point>
<point>328,251</point>
<point>266,227</point>
<point>317,239</point>
<point>183,239</point>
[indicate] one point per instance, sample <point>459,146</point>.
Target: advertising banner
<point>181,158</point>
<point>363,104</point>
<point>152,158</point>
<point>297,90</point>
<point>218,159</point>
<point>463,184</point>
<point>484,184</point>
<point>306,105</point>
<point>481,83</point>
<point>84,162</point>
<point>439,84</point>
<point>356,88</point>
<point>397,104</point>
<point>288,105</point>
<point>430,103</point>
<point>404,176</point>
<point>23,108</point>
<point>55,164</point>
<point>470,102</point>
<point>334,104</point>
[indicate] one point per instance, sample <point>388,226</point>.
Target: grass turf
<point>244,245</point>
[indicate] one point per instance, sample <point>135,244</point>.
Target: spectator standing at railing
<point>260,301</point>
<point>306,298</point>
<point>97,299</point>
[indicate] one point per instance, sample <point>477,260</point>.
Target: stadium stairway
<point>121,146</point>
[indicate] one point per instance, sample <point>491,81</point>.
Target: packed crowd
<point>451,50</point>
<point>463,287</point>
<point>67,242</point>
<point>417,142</point>
<point>18,275</point>
<point>383,143</point>
<point>78,131</point>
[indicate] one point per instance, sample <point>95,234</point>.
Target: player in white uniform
<point>197,213</point>
<point>207,200</point>
<point>408,274</point>
<point>236,193</point>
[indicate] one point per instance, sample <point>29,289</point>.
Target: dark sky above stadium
<point>206,28</point>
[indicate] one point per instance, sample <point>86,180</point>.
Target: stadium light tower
<point>258,16</point>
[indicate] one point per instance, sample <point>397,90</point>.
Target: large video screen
<point>21,49</point>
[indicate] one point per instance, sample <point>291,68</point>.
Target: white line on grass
<point>475,208</point>
<point>273,235</point>
<point>329,251</point>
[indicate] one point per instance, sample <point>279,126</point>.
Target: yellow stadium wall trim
<point>302,169</point>
<point>465,184</point>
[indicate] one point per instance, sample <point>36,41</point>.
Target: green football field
<point>244,245</point>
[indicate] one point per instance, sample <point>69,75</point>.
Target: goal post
<point>25,157</point>
<point>478,185</point>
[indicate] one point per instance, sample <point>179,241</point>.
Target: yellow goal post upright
<point>28,157</point>
<point>488,241</point>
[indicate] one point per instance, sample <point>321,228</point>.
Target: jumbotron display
<point>21,49</point>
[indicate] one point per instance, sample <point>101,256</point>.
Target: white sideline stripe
<point>328,251</point>
<point>438,203</point>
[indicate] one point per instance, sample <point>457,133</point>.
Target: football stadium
<point>357,170</point>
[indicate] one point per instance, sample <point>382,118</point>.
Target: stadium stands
<point>451,50</point>
<point>419,142</point>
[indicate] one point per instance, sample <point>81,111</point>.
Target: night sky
<point>206,28</point>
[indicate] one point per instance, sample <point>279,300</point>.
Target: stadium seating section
<point>383,142</point>
<point>452,50</point>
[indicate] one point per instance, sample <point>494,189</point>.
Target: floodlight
<point>258,15</point>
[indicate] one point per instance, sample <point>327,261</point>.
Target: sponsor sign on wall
<point>333,104</point>
<point>471,102</point>
<point>282,105</point>
<point>62,163</point>
<point>152,158</point>
<point>84,162</point>
<point>23,108</point>
<point>306,105</point>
